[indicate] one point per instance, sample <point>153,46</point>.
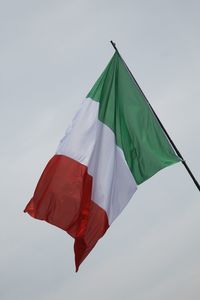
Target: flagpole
<point>163,128</point>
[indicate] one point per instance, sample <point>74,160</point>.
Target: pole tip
<point>114,45</point>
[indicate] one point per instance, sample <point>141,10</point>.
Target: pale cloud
<point>51,54</point>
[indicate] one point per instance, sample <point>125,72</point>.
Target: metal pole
<point>163,128</point>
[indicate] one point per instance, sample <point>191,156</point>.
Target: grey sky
<point>51,53</point>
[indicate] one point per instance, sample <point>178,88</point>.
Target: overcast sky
<point>51,53</point>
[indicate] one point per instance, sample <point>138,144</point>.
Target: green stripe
<point>124,109</point>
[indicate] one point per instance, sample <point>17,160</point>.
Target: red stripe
<point>63,198</point>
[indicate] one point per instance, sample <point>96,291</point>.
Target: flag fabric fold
<point>113,144</point>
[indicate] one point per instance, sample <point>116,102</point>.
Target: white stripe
<point>92,143</point>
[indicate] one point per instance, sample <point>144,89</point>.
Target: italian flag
<point>113,144</point>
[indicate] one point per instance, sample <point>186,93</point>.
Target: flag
<point>113,144</point>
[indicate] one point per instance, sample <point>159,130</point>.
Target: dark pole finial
<point>114,46</point>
